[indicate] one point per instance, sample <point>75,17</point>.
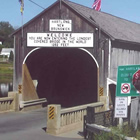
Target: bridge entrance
<point>66,76</point>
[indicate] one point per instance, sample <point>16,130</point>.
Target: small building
<point>5,52</point>
<point>84,73</point>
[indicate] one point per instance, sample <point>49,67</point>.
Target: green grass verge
<point>6,72</point>
<point>119,134</point>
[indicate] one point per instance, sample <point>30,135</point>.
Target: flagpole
<point>60,9</point>
<point>21,10</point>
<point>22,26</point>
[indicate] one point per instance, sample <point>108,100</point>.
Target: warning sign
<point>19,89</point>
<point>51,112</point>
<point>125,88</point>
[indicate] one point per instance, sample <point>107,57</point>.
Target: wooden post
<point>84,127</point>
<point>90,115</point>
<point>137,116</point>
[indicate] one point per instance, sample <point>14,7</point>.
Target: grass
<point>131,132</point>
<point>6,72</point>
<point>119,134</point>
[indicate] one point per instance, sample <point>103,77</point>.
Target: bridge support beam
<point>28,88</point>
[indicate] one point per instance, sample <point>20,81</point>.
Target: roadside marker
<point>51,112</point>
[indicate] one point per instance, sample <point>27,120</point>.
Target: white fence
<point>9,103</point>
<point>6,104</point>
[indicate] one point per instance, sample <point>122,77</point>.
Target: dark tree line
<point>5,30</point>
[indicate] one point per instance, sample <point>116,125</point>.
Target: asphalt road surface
<point>27,126</point>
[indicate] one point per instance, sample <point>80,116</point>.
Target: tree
<point>5,30</point>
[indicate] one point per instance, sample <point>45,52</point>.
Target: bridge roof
<point>115,27</point>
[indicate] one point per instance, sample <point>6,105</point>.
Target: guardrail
<point>63,120</point>
<point>76,114</point>
<point>9,103</point>
<point>5,104</point>
<point>32,102</point>
<point>104,118</point>
<point>93,129</point>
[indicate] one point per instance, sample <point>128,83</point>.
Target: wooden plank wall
<point>123,54</point>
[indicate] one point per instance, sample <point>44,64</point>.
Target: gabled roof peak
<point>114,27</point>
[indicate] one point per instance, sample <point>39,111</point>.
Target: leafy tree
<point>5,30</point>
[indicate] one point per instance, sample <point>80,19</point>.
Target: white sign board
<point>60,39</point>
<point>121,107</point>
<point>60,25</point>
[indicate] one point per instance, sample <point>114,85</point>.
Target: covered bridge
<point>74,75</point>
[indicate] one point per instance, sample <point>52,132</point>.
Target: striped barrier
<point>51,112</point>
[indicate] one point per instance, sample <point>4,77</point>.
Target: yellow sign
<point>20,89</point>
<point>101,91</point>
<point>51,112</point>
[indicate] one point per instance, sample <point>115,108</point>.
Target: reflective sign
<point>128,80</point>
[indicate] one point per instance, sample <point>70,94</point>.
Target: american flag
<point>97,5</point>
<point>22,6</point>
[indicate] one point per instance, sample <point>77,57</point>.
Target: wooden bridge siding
<point>41,24</point>
<point>123,54</point>
<point>101,41</point>
<point>102,59</point>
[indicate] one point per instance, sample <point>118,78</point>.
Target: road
<point>27,126</point>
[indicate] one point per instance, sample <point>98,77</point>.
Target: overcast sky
<point>10,9</point>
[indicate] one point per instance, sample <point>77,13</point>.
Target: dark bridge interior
<point>65,76</point>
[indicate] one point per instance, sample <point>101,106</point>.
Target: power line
<point>36,4</point>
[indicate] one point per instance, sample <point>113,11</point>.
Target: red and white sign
<point>136,80</point>
<point>125,88</point>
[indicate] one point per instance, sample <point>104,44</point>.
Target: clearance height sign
<point>128,81</point>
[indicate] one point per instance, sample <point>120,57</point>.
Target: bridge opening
<point>66,76</point>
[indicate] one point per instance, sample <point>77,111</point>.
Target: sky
<point>10,9</point>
